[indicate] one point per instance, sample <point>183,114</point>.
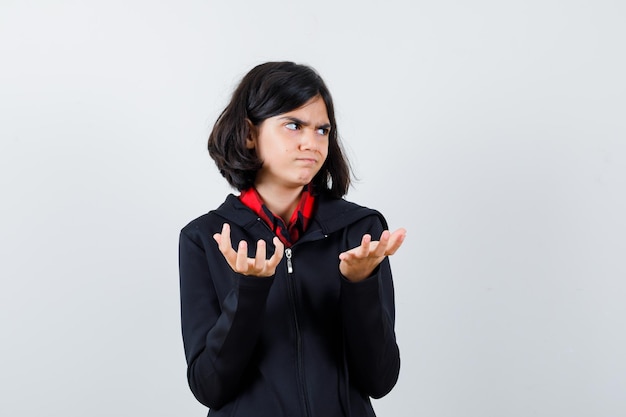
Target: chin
<point>305,181</point>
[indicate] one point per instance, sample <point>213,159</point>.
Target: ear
<point>252,135</point>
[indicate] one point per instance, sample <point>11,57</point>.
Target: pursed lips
<point>307,160</point>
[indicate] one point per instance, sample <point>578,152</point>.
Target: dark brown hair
<point>268,90</point>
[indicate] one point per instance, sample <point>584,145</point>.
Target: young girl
<point>297,318</point>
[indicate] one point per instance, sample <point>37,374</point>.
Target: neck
<point>279,200</point>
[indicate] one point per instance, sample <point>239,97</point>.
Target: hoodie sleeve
<point>368,313</point>
<point>219,337</point>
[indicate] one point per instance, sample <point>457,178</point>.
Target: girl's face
<point>293,146</point>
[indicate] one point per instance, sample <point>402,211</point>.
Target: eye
<point>292,126</point>
<point>324,131</point>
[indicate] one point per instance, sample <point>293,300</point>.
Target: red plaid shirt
<point>288,233</point>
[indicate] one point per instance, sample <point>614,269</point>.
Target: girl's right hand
<point>239,261</point>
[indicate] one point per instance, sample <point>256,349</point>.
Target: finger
<point>224,243</point>
<point>358,252</point>
<point>364,249</point>
<point>241,263</point>
<point>279,250</point>
<point>381,247</point>
<point>395,241</point>
<point>259,258</point>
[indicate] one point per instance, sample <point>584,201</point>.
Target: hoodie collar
<point>331,214</point>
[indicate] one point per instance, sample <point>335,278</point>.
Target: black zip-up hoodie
<point>305,342</point>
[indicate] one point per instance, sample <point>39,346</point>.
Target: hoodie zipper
<point>289,264</point>
<point>291,285</point>
<point>291,290</point>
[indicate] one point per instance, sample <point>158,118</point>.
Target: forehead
<point>313,111</point>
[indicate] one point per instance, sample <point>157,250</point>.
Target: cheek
<point>269,150</point>
<point>324,150</point>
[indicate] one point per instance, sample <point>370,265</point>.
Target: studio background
<point>494,132</point>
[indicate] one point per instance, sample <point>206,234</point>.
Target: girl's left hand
<point>359,263</point>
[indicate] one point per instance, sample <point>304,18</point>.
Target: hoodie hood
<point>331,214</point>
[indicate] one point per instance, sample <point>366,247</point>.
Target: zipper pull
<point>288,256</point>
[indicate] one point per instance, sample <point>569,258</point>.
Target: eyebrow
<point>303,123</point>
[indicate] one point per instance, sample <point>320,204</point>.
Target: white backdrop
<point>495,132</point>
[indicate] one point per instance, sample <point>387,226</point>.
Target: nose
<point>309,140</point>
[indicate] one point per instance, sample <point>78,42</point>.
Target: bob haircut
<point>268,90</point>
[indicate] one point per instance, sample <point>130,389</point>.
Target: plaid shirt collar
<point>288,233</point>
